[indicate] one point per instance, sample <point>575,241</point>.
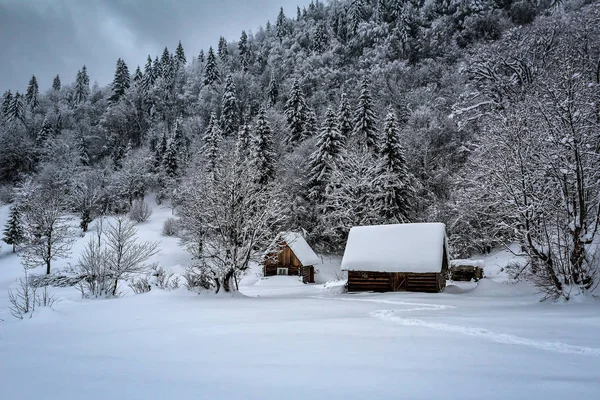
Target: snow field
<point>281,338</point>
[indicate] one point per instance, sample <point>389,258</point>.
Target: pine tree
<point>262,156</point>
<point>82,148</point>
<point>121,81</point>
<point>295,112</point>
<point>180,56</point>
<point>281,25</point>
<point>222,49</point>
<point>7,100</point>
<point>399,189</point>
<point>13,231</point>
<point>355,15</point>
<point>212,141</point>
<point>149,76</point>
<point>160,152</point>
<point>298,14</point>
<point>211,70</point>
<point>170,160</point>
<point>229,107</point>
<point>242,144</point>
<point>138,77</point>
<point>56,84</point>
<point>201,56</point>
<point>364,122</point>
<point>273,91</point>
<point>44,133</point>
<point>157,68</point>
<point>244,53</point>
<point>345,118</point>
<point>15,110</point>
<point>31,96</point>
<point>166,64</point>
<point>330,144</point>
<point>311,125</point>
<point>82,86</point>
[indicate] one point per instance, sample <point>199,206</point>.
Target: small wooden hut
<point>292,256</point>
<point>399,257</point>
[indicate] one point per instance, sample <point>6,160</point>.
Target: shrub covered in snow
<point>170,227</point>
<point>140,211</point>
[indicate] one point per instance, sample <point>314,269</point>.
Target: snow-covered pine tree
<point>44,133</point>
<point>201,58</point>
<point>166,64</point>
<point>244,51</point>
<point>31,96</point>
<point>311,125</point>
<point>295,112</point>
<point>7,99</point>
<point>222,51</point>
<point>149,76</point>
<point>229,109</point>
<point>399,189</point>
<point>171,160</point>
<point>345,118</point>
<point>243,142</point>
<point>138,77</point>
<point>364,122</point>
<point>160,152</point>
<point>330,144</point>
<point>272,91</point>
<point>212,140</point>
<point>15,110</point>
<point>121,81</point>
<point>281,25</point>
<point>56,85</point>
<point>180,56</point>
<point>13,230</point>
<point>211,70</point>
<point>355,15</point>
<point>262,155</point>
<point>82,86</point>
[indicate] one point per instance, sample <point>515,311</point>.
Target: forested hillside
<point>482,114</point>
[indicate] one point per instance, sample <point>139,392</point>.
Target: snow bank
<point>395,248</point>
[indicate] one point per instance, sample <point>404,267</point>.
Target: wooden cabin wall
<point>363,281</point>
<point>284,259</point>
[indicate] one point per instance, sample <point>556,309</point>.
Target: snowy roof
<point>301,249</point>
<point>395,248</point>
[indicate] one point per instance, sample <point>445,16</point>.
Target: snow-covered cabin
<point>292,256</point>
<point>399,257</point>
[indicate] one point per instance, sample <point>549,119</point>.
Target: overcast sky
<point>49,37</point>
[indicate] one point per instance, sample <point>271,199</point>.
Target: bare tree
<point>228,221</point>
<point>125,256</point>
<point>48,233</point>
<point>537,165</point>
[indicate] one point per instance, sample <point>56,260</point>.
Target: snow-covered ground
<point>280,338</point>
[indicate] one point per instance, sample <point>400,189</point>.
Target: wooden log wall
<point>371,281</point>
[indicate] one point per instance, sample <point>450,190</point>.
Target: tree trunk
<point>227,280</point>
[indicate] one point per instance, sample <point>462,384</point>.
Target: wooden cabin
<point>466,270</point>
<point>292,256</point>
<point>399,257</point>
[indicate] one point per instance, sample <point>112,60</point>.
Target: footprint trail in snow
<point>392,316</point>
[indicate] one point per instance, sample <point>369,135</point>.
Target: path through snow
<point>392,315</point>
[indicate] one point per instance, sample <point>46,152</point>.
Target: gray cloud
<point>49,37</point>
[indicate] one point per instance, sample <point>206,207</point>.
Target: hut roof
<point>395,248</point>
<point>300,247</point>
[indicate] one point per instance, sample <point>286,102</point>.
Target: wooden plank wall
<point>361,281</point>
